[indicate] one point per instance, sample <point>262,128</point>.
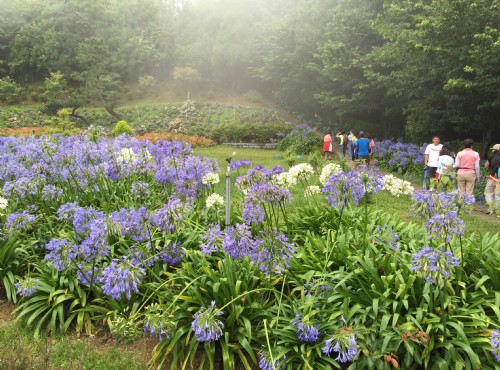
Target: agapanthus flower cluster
<point>343,342</point>
<point>329,170</point>
<point>27,287</point>
<point>210,178</point>
<point>131,222</point>
<point>305,331</point>
<point>171,215</point>
<point>215,200</point>
<point>257,175</point>
<point>140,189</point>
<point>51,192</point>
<point>441,212</point>
<point>267,363</point>
<point>271,251</point>
<point>66,212</point>
<point>206,326</point>
<point>445,226</point>
<point>170,252</point>
<point>211,240</point>
<point>61,253</point>
<point>299,173</point>
<point>343,187</point>
<point>20,220</point>
<point>435,265</point>
<point>157,323</point>
<point>397,186</point>
<point>120,278</point>
<point>495,344</point>
<point>238,241</point>
<point>261,198</point>
<point>239,164</point>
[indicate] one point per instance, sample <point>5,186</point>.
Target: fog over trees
<point>425,66</point>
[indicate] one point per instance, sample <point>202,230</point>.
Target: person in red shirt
<point>468,173</point>
<point>327,146</point>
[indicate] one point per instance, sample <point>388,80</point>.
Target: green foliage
<point>122,127</point>
<point>254,96</point>
<point>239,291</point>
<point>301,140</point>
<point>10,91</point>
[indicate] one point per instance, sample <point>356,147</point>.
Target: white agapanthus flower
<point>311,191</point>
<point>210,179</point>
<point>329,170</point>
<point>3,203</point>
<point>301,171</point>
<point>397,186</point>
<point>215,200</point>
<point>126,155</point>
<point>280,179</point>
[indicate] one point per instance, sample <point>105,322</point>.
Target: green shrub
<point>122,127</point>
<point>301,140</point>
<point>10,91</point>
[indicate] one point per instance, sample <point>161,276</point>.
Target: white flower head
<point>311,191</point>
<point>215,200</point>
<point>301,171</point>
<point>280,179</point>
<point>210,179</point>
<point>329,170</point>
<point>126,155</point>
<point>397,186</point>
<point>3,203</point>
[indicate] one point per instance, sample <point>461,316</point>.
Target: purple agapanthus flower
<point>27,287</point>
<point>266,363</point>
<point>206,326</point>
<point>238,241</point>
<point>272,251</point>
<point>211,240</point>
<point>434,264</point>
<point>66,211</point>
<point>168,217</point>
<point>343,342</point>
<point>305,332</point>
<point>62,253</point>
<point>495,344</point>
<point>239,164</point>
<point>20,220</point>
<point>120,278</point>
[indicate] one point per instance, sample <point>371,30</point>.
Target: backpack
<point>345,140</point>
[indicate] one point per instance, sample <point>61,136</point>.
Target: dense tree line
<point>425,66</point>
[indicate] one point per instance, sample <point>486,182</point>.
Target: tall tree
<point>433,49</point>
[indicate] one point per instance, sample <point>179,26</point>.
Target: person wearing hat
<point>492,164</point>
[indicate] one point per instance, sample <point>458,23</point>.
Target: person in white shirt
<point>446,172</point>
<point>431,159</point>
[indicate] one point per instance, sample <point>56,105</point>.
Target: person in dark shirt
<point>492,164</point>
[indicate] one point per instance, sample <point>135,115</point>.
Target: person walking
<point>431,158</point>
<point>363,147</point>
<point>327,146</point>
<point>492,164</point>
<point>343,143</point>
<point>467,163</point>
